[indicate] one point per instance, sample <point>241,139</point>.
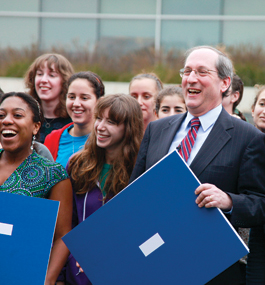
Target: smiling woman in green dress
<point>20,121</point>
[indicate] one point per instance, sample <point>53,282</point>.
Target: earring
<point>33,142</point>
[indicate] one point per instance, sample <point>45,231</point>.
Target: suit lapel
<point>213,144</point>
<point>168,133</point>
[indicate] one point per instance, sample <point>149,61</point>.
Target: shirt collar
<point>207,120</point>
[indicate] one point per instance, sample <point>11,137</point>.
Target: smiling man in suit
<point>226,154</point>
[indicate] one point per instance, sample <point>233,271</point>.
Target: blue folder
<point>153,232</point>
<point>26,233</point>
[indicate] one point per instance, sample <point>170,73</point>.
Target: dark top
<point>52,124</point>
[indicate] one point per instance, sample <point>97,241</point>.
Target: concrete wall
<point>16,84</point>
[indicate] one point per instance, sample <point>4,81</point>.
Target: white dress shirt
<point>207,122</point>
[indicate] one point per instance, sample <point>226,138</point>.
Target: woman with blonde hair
<point>103,168</point>
<point>144,88</point>
<point>46,80</point>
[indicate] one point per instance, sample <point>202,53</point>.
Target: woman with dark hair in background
<point>144,88</point>
<point>46,80</point>
<point>85,88</point>
<point>103,168</point>
<point>20,121</point>
<point>170,101</point>
<point>233,97</point>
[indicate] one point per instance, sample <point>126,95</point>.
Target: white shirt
<point>207,122</point>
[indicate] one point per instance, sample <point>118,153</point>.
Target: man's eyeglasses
<point>198,72</point>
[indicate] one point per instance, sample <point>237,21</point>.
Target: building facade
<point>123,26</point>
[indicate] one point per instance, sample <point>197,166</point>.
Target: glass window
<point>19,6</point>
<point>244,32</point>
<point>68,33</point>
<point>18,32</point>
<point>186,34</point>
<point>244,7</point>
<point>192,7</point>
<point>128,7</point>
<point>69,6</point>
<point>126,35</point>
<point>128,28</point>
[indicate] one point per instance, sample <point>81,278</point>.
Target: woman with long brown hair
<point>103,168</point>
<point>47,81</point>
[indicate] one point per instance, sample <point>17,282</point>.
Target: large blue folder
<point>154,233</point>
<point>26,232</point>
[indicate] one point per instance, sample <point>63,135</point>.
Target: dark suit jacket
<point>232,158</point>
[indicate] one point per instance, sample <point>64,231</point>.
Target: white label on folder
<point>6,229</point>
<point>151,244</point>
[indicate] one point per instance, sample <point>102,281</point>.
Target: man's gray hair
<point>224,65</point>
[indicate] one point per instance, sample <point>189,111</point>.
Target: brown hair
<point>94,80</point>
<point>85,167</point>
<point>237,86</point>
<point>62,66</point>
<point>168,91</point>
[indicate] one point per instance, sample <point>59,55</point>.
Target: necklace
<point>48,124</point>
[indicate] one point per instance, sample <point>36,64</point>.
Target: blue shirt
<point>69,145</point>
<point>207,122</point>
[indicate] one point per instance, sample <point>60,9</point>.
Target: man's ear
<point>225,84</point>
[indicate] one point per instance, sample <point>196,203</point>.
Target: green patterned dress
<point>34,177</point>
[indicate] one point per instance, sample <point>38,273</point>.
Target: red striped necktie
<point>187,143</point>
